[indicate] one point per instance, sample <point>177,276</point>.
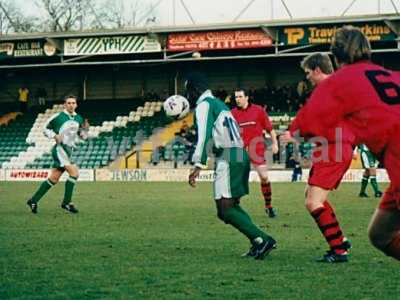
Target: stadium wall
<point>166,175</point>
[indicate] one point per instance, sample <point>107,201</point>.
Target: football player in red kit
<point>359,94</point>
<point>318,67</point>
<point>253,122</point>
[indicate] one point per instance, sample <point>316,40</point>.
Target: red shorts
<point>327,172</point>
<point>391,161</point>
<point>257,154</point>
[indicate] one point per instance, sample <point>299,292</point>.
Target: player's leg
<point>374,183</point>
<point>364,183</point>
<point>231,183</point>
<point>44,188</point>
<point>324,215</point>
<point>230,212</point>
<point>73,173</point>
<point>384,229</point>
<point>266,190</point>
<point>326,176</point>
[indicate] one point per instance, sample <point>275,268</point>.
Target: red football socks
<point>326,220</point>
<point>267,193</point>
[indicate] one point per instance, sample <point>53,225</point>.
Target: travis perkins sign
<point>322,34</point>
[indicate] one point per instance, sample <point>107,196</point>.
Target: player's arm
<point>274,139</point>
<point>49,130</point>
<point>84,129</point>
<point>267,126</point>
<point>204,125</point>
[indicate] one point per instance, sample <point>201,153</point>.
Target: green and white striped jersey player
<point>64,128</point>
<point>368,160</point>
<point>369,163</point>
<point>219,134</point>
<point>69,128</point>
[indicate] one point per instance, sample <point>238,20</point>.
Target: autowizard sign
<point>111,45</point>
<point>322,34</point>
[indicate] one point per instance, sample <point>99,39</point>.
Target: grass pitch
<point>163,241</point>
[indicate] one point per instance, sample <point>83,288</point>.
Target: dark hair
<point>70,96</point>
<point>317,60</point>
<point>350,45</point>
<point>240,89</point>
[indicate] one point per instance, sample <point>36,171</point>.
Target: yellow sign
<point>323,34</point>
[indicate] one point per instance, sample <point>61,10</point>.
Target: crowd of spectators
<point>276,99</point>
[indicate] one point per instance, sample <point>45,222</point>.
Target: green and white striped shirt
<point>216,128</point>
<point>66,125</point>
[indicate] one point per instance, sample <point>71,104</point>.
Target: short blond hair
<point>350,45</point>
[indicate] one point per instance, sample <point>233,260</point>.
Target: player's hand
<point>355,155</point>
<point>287,138</point>
<point>275,148</point>
<point>58,138</point>
<point>193,175</point>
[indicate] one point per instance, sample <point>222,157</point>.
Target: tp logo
<point>294,35</point>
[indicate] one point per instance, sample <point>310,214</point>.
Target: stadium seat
<point>116,130</point>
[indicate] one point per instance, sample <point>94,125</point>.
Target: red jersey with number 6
<point>362,99</point>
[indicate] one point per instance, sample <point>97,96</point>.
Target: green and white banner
<point>111,45</point>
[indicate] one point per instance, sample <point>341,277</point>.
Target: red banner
<point>217,40</point>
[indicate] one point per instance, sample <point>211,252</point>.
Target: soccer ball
<point>176,107</point>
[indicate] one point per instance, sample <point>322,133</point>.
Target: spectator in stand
<point>297,170</point>
<point>189,138</point>
<point>41,95</point>
<point>23,97</point>
<point>152,96</point>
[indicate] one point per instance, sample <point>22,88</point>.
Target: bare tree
<point>117,14</point>
<point>65,15</point>
<point>12,19</point>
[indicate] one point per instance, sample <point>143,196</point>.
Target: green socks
<point>69,188</point>
<point>239,219</point>
<point>364,183</point>
<point>44,187</point>
<point>242,211</point>
<point>374,184</point>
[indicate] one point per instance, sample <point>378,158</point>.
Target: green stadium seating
<point>100,151</point>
